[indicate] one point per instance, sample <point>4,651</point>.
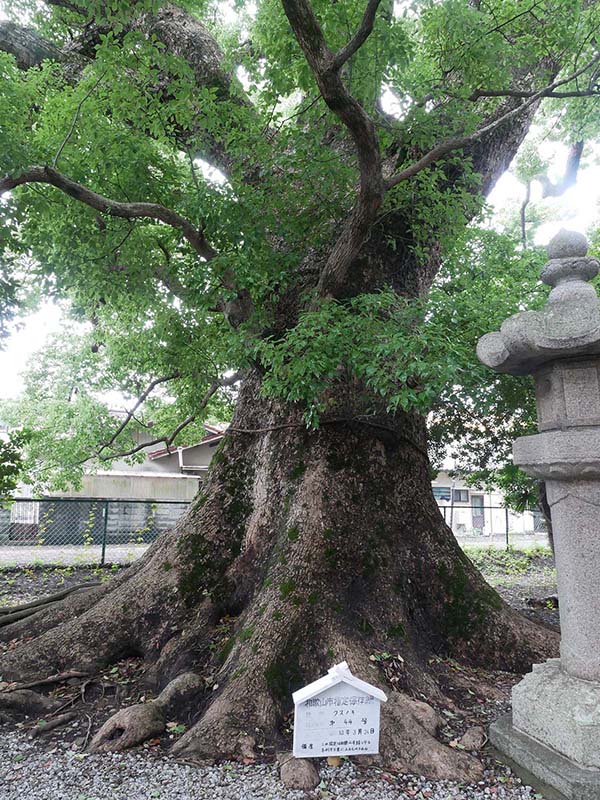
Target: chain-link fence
<point>82,530</point>
<point>498,526</point>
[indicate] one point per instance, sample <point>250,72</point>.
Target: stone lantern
<point>554,731</point>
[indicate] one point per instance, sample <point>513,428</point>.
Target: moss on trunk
<point>303,549</point>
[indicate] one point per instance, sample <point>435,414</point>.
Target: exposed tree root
<point>52,724</point>
<point>51,615</point>
<point>408,743</point>
<point>24,703</point>
<point>128,727</point>
<point>8,619</point>
<point>11,614</point>
<point>49,681</point>
<point>133,725</point>
<point>233,726</point>
<point>52,598</point>
<point>133,614</point>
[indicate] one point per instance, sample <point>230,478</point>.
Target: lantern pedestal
<point>541,765</point>
<point>554,730</point>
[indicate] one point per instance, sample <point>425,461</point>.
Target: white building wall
<point>141,486</point>
<point>461,504</point>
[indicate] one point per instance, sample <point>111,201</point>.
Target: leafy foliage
<point>260,165</point>
<point>11,462</point>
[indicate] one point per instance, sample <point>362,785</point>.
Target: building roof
<point>338,674</point>
<point>213,434</point>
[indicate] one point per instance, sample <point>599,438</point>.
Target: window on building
<point>25,513</point>
<point>442,493</point>
<point>460,495</point>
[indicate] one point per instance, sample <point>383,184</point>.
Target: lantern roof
<point>568,326</point>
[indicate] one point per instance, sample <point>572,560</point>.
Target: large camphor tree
<point>263,206</point>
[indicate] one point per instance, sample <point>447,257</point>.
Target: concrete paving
<point>81,555</point>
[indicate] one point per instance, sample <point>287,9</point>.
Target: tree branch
<point>180,32</point>
<point>326,69</point>
<point>236,311</point>
<point>523,215</point>
<point>130,414</point>
<point>360,37</point>
<point>28,48</point>
<point>168,440</point>
<point>550,189</point>
<point>461,142</point>
<point>592,92</point>
<point>569,177</point>
<point>113,208</point>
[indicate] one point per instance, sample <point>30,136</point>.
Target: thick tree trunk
<point>304,549</point>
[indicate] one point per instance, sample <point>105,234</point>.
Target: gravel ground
<point>51,768</point>
<point>29,773</point>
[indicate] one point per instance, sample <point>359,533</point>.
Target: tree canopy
<point>173,185</point>
<point>289,199</point>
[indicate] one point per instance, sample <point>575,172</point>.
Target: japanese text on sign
<point>342,720</point>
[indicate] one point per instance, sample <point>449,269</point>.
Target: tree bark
<point>305,548</point>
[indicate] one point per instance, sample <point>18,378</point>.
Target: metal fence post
<point>104,531</point>
<point>507,538</point>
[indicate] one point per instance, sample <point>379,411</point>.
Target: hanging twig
<point>524,205</point>
<point>75,118</point>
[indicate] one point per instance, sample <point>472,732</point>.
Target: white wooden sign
<point>338,715</point>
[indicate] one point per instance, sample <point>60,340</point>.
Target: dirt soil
<point>525,579</point>
<point>479,696</point>
<point>24,584</point>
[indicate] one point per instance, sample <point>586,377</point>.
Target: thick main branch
<point>326,67</point>
<point>28,48</point>
<point>113,208</point>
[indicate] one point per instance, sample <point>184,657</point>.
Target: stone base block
<point>551,769</point>
<point>561,712</point>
